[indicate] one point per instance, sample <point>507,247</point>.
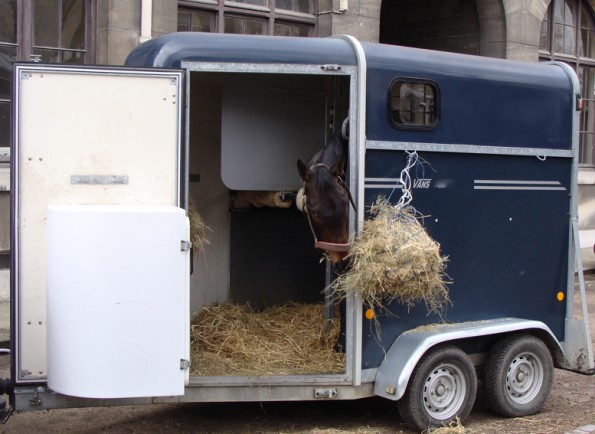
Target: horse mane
<point>333,153</point>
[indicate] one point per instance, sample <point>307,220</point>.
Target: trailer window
<point>414,104</point>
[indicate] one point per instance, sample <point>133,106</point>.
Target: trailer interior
<point>246,132</point>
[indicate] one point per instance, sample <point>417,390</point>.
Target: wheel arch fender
<point>405,352</point>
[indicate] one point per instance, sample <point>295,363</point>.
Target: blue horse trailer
<point>102,179</point>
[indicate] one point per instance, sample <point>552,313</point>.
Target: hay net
<point>394,258</point>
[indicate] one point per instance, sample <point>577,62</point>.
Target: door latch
<point>330,67</point>
<point>325,393</point>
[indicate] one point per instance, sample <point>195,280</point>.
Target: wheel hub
<point>524,378</point>
<point>444,391</point>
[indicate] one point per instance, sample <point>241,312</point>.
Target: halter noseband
<point>302,204</point>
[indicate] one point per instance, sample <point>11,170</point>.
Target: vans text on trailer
<point>102,294</point>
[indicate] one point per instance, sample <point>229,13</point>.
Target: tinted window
<point>414,104</point>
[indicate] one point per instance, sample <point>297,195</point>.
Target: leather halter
<point>302,204</point>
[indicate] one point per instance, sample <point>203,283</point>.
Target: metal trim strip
<point>357,121</point>
<point>274,68</point>
<point>268,380</point>
<point>468,149</point>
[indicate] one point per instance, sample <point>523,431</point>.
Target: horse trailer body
<point>102,178</point>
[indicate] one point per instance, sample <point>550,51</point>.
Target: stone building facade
<point>105,31</point>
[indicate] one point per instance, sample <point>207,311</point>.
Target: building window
<point>254,17</point>
<point>413,104</point>
<point>295,5</point>
<point>51,31</point>
<point>290,29</point>
<point>568,35</point>
<point>254,2</point>
<point>244,25</point>
<point>60,31</point>
<point>196,20</point>
<point>8,54</point>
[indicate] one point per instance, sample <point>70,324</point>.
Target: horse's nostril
<point>342,265</point>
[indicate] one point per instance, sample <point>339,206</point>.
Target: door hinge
<point>185,245</point>
<point>185,364</point>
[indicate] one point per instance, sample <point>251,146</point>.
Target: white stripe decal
<point>396,187</point>
<point>494,181</point>
<point>494,184</point>
<point>380,183</point>
<point>381,179</point>
<point>519,188</point>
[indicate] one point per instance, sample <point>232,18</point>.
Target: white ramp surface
<point>117,300</point>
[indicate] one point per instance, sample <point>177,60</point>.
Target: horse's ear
<point>302,169</point>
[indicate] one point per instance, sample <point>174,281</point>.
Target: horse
<point>325,199</point>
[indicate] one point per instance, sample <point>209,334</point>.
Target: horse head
<point>325,199</point>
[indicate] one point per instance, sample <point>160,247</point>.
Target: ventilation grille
<point>5,260</point>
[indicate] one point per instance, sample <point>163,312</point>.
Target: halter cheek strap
<point>302,204</point>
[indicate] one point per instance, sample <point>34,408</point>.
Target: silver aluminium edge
<point>469,149</point>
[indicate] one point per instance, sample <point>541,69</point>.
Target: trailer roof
<point>482,101</point>
<point>171,50</point>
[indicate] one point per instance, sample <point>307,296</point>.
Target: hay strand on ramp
<point>230,339</point>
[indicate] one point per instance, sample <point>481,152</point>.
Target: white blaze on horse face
<point>300,200</point>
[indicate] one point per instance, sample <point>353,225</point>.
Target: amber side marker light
<point>560,296</point>
<point>369,314</point>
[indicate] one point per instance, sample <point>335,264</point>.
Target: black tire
<point>442,387</point>
<point>518,375</point>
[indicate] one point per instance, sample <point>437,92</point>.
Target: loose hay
<point>231,339</point>
<point>198,229</point>
<point>454,427</point>
<point>394,258</point>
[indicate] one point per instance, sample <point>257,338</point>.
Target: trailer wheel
<point>518,375</point>
<point>442,387</point>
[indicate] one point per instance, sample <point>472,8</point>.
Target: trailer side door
<point>99,231</point>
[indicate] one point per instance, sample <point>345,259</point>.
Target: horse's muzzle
<point>343,265</point>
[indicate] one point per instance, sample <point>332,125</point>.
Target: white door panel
<point>84,136</point>
<point>116,300</point>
